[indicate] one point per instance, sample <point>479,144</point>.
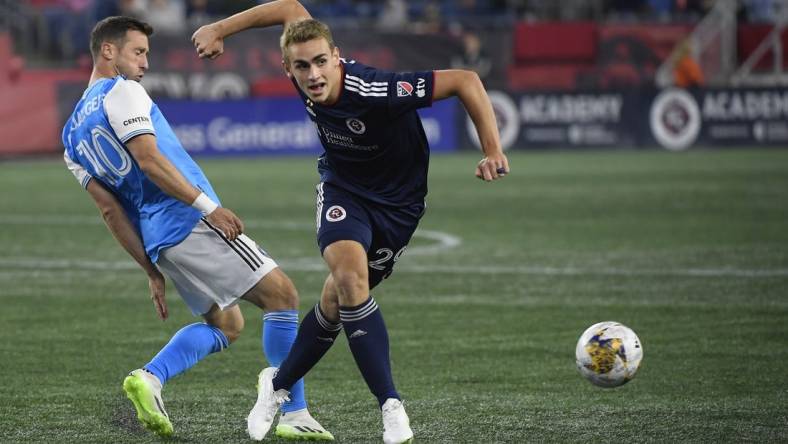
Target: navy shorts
<point>384,231</point>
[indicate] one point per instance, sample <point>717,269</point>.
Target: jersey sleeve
<point>128,109</point>
<point>79,172</point>
<point>410,91</point>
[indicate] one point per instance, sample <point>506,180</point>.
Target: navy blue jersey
<point>375,145</point>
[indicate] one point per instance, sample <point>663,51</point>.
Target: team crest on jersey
<point>404,89</point>
<point>335,214</point>
<point>355,125</point>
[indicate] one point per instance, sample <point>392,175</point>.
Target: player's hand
<point>492,167</point>
<point>208,42</point>
<point>227,222</point>
<point>156,285</point>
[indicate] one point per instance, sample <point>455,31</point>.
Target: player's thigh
<point>230,320</point>
<point>207,268</point>
<point>340,216</point>
<point>274,292</point>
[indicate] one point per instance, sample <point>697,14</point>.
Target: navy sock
<point>369,342</point>
<point>187,347</point>
<point>315,336</point>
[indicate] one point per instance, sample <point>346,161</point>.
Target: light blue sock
<point>279,333</point>
<point>186,348</point>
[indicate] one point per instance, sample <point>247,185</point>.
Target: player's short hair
<point>304,31</point>
<point>113,30</point>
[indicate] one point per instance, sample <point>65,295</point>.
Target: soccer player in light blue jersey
<point>160,207</point>
<point>371,195</point>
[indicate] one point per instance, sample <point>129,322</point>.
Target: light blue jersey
<point>110,113</point>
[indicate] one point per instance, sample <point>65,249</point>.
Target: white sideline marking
<point>39,264</point>
<point>444,241</point>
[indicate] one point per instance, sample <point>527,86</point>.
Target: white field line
<point>443,241</point>
<point>39,264</point>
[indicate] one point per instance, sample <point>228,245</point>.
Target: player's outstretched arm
<point>124,232</point>
<point>164,174</point>
<point>467,86</point>
<point>209,39</point>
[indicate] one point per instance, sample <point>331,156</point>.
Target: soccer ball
<point>608,354</point>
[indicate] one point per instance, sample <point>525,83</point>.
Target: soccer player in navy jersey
<point>161,208</point>
<point>371,194</point>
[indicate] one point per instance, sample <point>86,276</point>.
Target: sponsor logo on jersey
<point>404,89</point>
<point>335,214</point>
<point>355,125</point>
<point>134,120</point>
<point>420,83</point>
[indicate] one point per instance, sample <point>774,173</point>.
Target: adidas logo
<point>305,429</point>
<point>357,334</point>
<point>320,338</point>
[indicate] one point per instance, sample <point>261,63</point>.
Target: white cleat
<point>301,426</point>
<point>396,425</point>
<point>268,401</point>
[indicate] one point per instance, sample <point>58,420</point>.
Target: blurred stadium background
<point>650,186</point>
<point>571,73</point>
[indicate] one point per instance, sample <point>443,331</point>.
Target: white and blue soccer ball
<point>608,354</point>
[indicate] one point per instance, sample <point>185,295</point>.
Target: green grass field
<point>688,249</point>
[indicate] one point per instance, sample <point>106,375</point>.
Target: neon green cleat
<point>301,426</point>
<point>144,390</point>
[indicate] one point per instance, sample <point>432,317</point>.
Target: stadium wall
<point>242,104</point>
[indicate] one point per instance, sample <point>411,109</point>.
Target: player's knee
<point>283,297</point>
<point>350,284</point>
<point>232,330</point>
<point>288,295</point>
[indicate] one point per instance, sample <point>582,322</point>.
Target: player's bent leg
<point>144,391</point>
<point>261,417</point>
<point>361,318</point>
<point>277,295</point>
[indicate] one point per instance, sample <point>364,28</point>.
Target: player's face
<point>315,68</point>
<point>132,58</point>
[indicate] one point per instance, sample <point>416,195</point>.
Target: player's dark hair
<point>113,30</point>
<point>304,31</point>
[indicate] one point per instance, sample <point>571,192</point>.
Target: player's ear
<point>108,50</point>
<point>335,55</point>
<point>287,69</point>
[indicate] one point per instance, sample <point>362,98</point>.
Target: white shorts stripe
<point>319,204</point>
<point>238,249</point>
